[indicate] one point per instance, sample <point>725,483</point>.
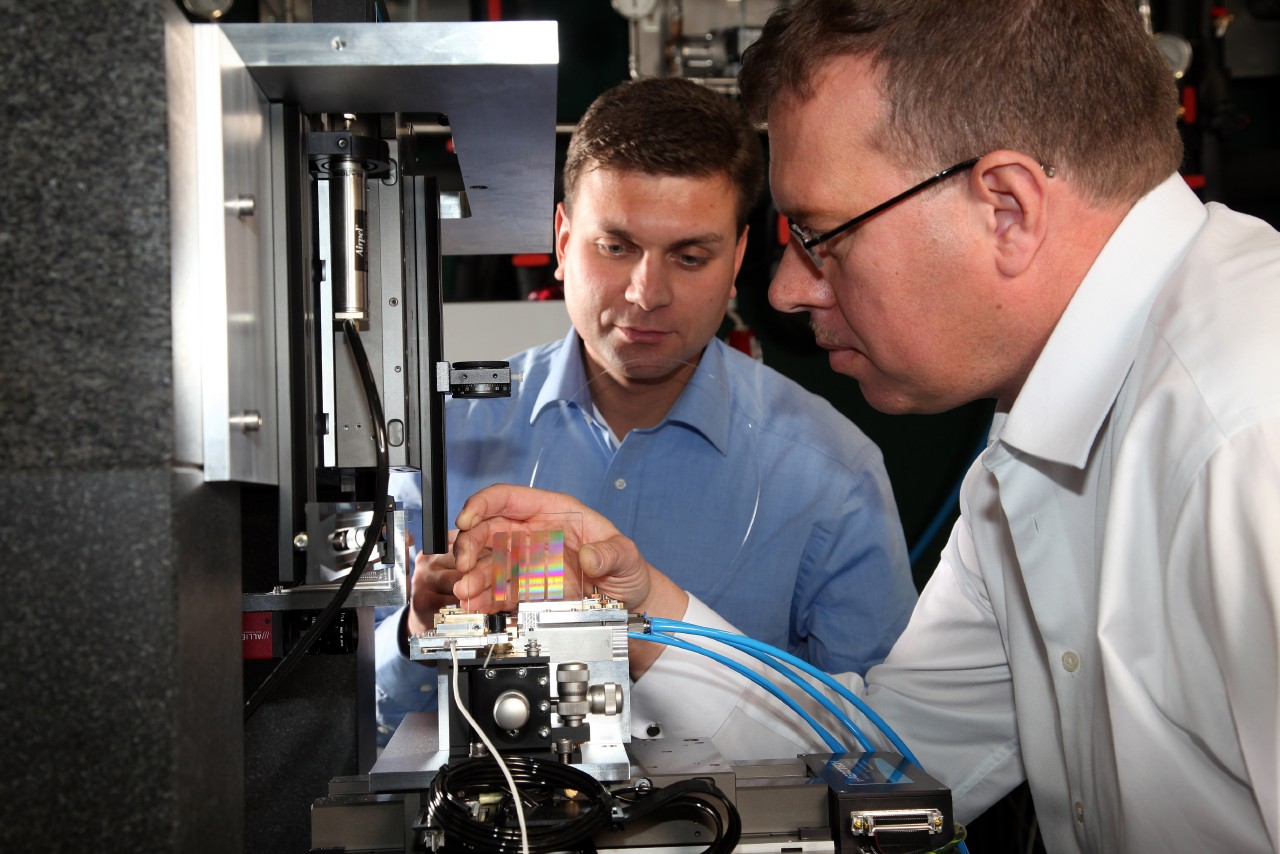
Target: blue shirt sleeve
<point>403,685</point>
<point>854,592</point>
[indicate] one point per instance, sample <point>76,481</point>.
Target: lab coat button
<point>1070,661</point>
<point>620,483</point>
<point>1079,812</point>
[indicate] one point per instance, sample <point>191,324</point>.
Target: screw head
<point>300,542</point>
<point>490,674</point>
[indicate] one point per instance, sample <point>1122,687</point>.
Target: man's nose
<point>650,286</point>
<point>797,285</point>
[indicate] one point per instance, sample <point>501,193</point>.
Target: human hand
<point>595,550</point>
<point>433,579</point>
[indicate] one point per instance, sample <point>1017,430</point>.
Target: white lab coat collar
<point>1070,389</point>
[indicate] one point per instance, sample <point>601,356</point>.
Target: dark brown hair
<point>1077,84</point>
<point>668,126</point>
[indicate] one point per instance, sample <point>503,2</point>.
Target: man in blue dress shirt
<point>753,494</point>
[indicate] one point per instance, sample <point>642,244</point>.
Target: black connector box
<point>881,803</point>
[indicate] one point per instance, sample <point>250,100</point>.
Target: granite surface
<point>120,624</point>
<point>85,365</point>
<point>122,685</point>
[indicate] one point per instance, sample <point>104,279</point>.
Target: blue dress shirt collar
<point>705,405</point>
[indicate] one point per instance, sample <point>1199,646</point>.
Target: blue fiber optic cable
<point>753,676</point>
<point>845,720</point>
<point>813,692</point>
<point>745,643</point>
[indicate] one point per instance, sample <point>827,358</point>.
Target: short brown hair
<point>1077,84</point>
<point>668,126</point>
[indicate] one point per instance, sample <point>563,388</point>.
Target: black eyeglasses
<point>809,241</point>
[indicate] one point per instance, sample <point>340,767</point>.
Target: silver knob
<point>511,710</point>
<point>605,699</point>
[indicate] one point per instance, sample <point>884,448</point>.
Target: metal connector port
<point>871,822</point>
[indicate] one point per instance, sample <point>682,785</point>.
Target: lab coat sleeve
<point>1237,501</point>
<point>946,687</point>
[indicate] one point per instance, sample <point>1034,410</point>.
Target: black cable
<point>538,781</point>
<point>696,794</point>
<point>381,477</point>
<point>680,796</point>
<point>540,784</point>
<point>699,809</point>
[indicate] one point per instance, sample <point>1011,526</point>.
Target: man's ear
<point>1015,190</point>
<point>562,239</point>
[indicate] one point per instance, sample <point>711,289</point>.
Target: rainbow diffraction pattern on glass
<point>528,566</point>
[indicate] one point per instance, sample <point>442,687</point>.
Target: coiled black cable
<point>544,785</point>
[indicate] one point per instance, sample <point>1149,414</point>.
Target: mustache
<point>821,335</point>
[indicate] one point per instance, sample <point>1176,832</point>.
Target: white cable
<point>493,751</point>
<point>489,655</point>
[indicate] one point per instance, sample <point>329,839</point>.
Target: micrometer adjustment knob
<point>605,699</point>
<point>571,683</point>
